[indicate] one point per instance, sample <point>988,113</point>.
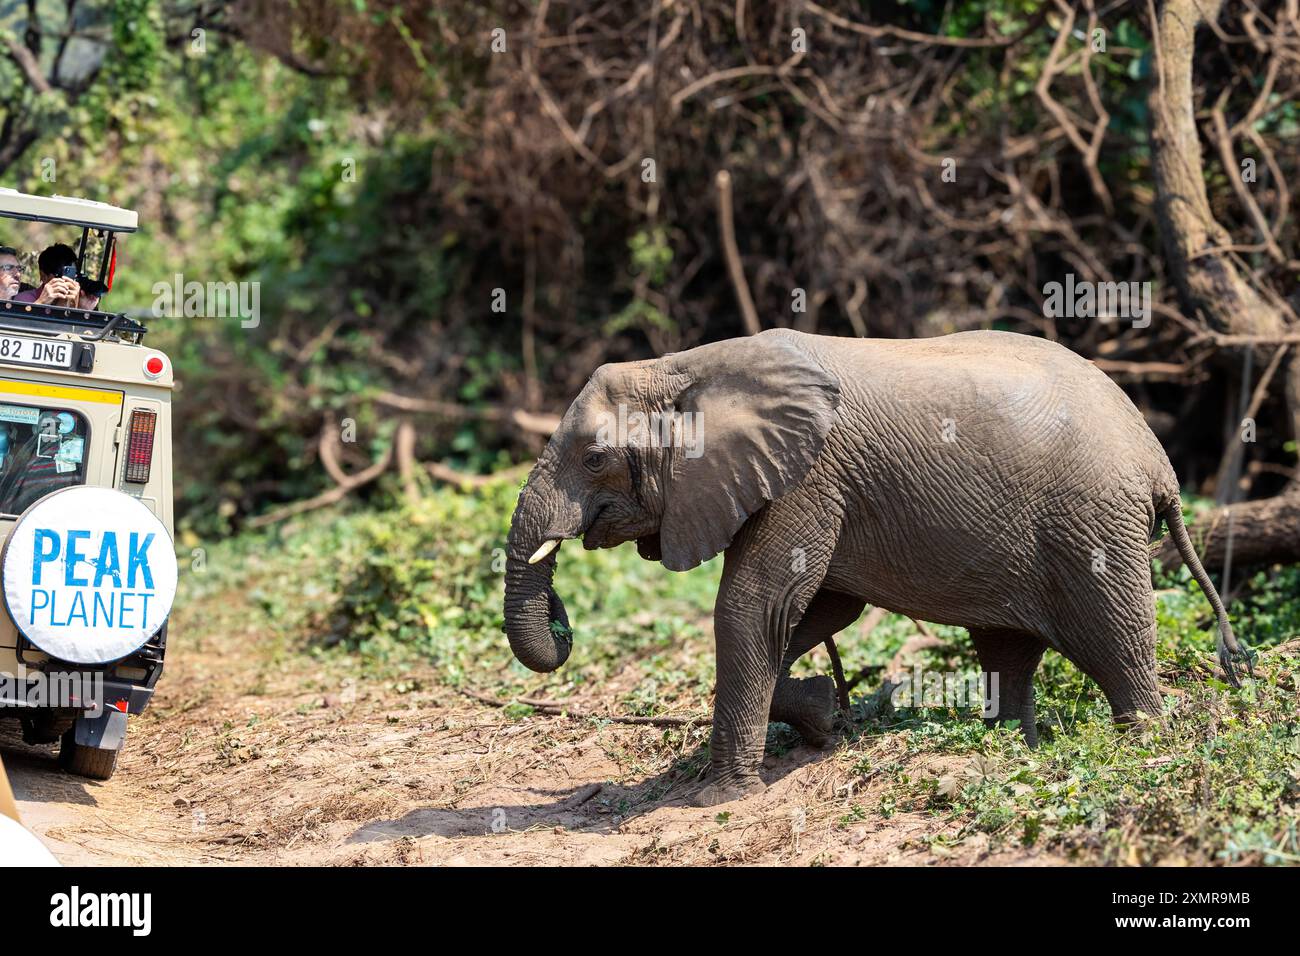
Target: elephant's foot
<point>1132,720</point>
<point>807,705</point>
<point>724,791</point>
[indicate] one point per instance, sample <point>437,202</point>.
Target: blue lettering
<point>78,610</point>
<point>138,557</point>
<point>73,558</point>
<point>45,603</point>
<point>123,610</point>
<point>106,608</point>
<point>39,554</point>
<point>107,565</point>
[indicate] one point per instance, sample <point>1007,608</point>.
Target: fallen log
<point>1261,532</point>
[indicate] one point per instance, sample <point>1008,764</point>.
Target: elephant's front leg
<point>761,601</point>
<point>747,672</point>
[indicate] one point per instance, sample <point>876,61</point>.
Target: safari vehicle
<point>85,504</point>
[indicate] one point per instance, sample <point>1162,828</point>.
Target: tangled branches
<point>926,173</point>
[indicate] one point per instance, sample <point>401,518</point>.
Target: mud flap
<point>105,732</point>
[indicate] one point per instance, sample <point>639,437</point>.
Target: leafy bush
<point>428,581</point>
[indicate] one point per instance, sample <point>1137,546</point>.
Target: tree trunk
<point>1208,283</point>
<point>1263,532</point>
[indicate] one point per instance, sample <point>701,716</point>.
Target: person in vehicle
<point>49,458</point>
<point>11,272</point>
<point>92,290</point>
<point>55,287</point>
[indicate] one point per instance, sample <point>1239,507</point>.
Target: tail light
<point>139,445</point>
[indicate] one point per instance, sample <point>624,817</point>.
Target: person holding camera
<point>58,268</point>
<point>92,290</point>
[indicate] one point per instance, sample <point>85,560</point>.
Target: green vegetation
<point>1216,779</point>
<point>426,582</point>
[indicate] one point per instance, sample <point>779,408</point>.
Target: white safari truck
<point>88,567</point>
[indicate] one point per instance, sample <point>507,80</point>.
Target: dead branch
<point>535,423</point>
<point>404,449</point>
<point>899,663</point>
<point>1229,160</point>
<point>911,648</point>
<point>451,476</point>
<point>928,39</point>
<point>27,63</point>
<point>1117,368</point>
<point>331,497</point>
<point>722,76</point>
<point>327,447</point>
<point>871,622</point>
<point>727,226</point>
<point>1089,148</point>
<point>553,708</point>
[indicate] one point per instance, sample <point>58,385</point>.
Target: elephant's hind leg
<point>1009,660</point>
<point>1123,663</point>
<point>808,704</point>
<point>1104,621</point>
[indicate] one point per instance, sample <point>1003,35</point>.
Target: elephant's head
<point>674,453</point>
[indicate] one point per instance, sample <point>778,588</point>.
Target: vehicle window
<point>41,450</point>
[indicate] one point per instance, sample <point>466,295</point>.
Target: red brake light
<point>139,445</point>
<point>154,365</point>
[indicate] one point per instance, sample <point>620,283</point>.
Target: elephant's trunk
<point>536,623</point>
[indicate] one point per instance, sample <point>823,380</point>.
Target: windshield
<point>41,450</point>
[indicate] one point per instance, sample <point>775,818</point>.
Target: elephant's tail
<point>1229,650</point>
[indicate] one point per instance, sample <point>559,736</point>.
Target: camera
<point>68,272</point>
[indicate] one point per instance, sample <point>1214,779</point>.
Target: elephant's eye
<point>594,459</point>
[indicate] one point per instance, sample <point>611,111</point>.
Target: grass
<point>1214,779</point>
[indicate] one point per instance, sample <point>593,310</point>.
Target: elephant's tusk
<point>544,550</point>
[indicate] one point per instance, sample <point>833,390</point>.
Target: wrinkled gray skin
<point>984,479</point>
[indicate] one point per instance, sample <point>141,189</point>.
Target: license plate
<point>52,353</point>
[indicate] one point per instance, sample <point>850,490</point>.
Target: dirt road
<point>278,758</point>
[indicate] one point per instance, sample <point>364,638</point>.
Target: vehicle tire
<point>90,762</point>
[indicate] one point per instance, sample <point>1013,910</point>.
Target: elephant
<point>988,480</point>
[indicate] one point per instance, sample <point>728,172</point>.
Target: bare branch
<point>727,226</point>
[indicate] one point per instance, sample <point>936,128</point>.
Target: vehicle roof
<point>66,210</point>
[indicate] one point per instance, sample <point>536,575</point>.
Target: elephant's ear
<point>760,408</point>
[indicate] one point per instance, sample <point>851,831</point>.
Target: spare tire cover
<point>19,847</point>
<point>89,574</point>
